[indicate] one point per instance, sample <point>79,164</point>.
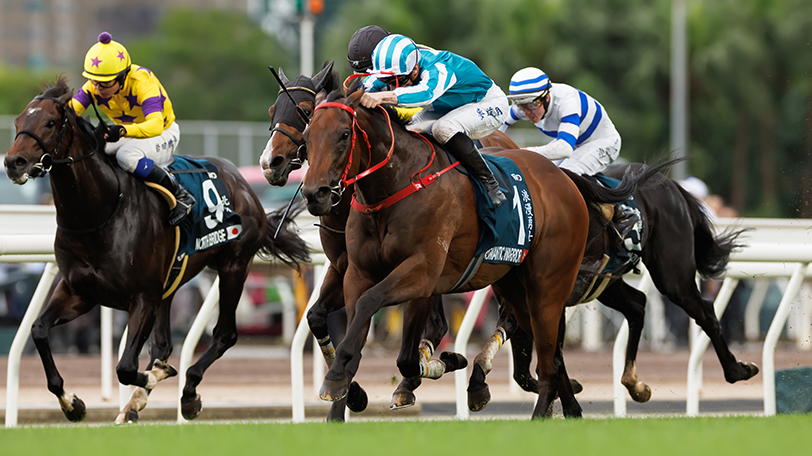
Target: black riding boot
<point>464,150</point>
<point>185,199</point>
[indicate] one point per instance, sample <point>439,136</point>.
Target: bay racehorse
<point>404,248</point>
<point>114,248</point>
<point>284,152</point>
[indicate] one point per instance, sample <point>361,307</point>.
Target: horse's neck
<point>411,154</point>
<point>85,191</point>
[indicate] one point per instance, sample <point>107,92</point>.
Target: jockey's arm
<point>556,150</point>
<point>151,127</point>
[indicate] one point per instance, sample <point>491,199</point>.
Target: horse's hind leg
<point>681,289</point>
<point>631,302</point>
<point>62,308</point>
<point>160,349</point>
<point>232,278</point>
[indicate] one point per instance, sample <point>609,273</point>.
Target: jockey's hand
<point>115,133</point>
<point>373,99</point>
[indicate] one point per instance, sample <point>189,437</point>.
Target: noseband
<point>47,160</point>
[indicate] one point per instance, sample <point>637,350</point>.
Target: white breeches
<point>159,149</point>
<point>476,120</point>
<point>594,156</point>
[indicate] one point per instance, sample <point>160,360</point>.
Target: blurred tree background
<point>750,73</point>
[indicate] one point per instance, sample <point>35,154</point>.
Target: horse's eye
<point>308,112</point>
<point>345,135</point>
<point>51,123</point>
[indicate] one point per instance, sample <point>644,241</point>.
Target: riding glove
<point>115,133</point>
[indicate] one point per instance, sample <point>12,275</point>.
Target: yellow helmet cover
<point>106,59</point>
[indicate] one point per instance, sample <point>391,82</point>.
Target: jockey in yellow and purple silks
<point>145,133</point>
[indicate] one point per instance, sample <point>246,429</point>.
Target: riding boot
<point>463,149</point>
<point>184,199</point>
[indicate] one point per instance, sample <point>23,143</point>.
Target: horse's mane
<point>58,89</point>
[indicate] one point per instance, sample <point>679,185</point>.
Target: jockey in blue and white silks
<point>578,133</point>
<point>460,102</point>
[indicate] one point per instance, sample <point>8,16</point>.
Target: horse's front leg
<point>160,348</point>
<point>61,308</point>
<point>401,285</point>
<point>142,314</point>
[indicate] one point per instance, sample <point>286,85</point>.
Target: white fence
<point>778,249</point>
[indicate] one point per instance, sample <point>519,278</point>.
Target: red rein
<point>414,185</point>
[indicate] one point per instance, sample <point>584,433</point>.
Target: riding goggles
<point>533,104</point>
<point>103,84</point>
<point>397,81</point>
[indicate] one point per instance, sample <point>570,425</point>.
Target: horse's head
<point>42,134</point>
<point>330,139</point>
<point>285,149</point>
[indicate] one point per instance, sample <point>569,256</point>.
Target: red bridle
<point>414,185</point>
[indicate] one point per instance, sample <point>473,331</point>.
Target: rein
<point>47,161</point>
<point>414,185</point>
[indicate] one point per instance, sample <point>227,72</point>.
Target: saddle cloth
<point>507,231</point>
<point>211,222</point>
<point>627,258</point>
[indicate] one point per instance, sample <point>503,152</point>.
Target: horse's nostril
<point>19,162</point>
<point>277,162</point>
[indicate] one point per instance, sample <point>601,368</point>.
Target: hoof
<point>477,400</point>
<point>528,383</point>
<point>640,393</point>
<point>577,387</point>
<point>401,400</point>
<point>128,417</point>
<point>453,361</point>
<point>190,409</point>
<point>333,391</point>
<point>77,412</point>
<point>169,370</point>
<point>357,399</point>
<point>746,372</point>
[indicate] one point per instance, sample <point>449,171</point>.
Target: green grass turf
<point>784,435</point>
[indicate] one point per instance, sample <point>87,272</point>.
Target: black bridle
<point>47,161</point>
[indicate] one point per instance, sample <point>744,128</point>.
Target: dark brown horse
<point>419,247</point>
<point>114,247</point>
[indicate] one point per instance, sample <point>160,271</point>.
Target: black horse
<point>114,248</point>
<point>678,242</point>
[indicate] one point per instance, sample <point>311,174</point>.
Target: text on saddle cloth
<point>212,221</point>
<point>507,231</point>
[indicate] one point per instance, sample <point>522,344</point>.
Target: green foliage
<point>213,64</point>
<point>18,87</point>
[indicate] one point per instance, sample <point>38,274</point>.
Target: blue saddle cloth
<point>212,221</point>
<point>507,231</point>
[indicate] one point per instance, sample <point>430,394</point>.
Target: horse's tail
<point>287,245</point>
<point>594,192</point>
<point>712,252</point>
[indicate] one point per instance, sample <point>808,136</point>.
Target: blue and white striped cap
<point>528,84</point>
<point>395,54</point>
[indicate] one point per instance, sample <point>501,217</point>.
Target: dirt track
<point>260,377</point>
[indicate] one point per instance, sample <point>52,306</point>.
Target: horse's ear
<point>320,97</point>
<point>321,77</point>
<point>65,98</point>
<point>284,78</point>
<point>354,98</point>
<point>270,111</point>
